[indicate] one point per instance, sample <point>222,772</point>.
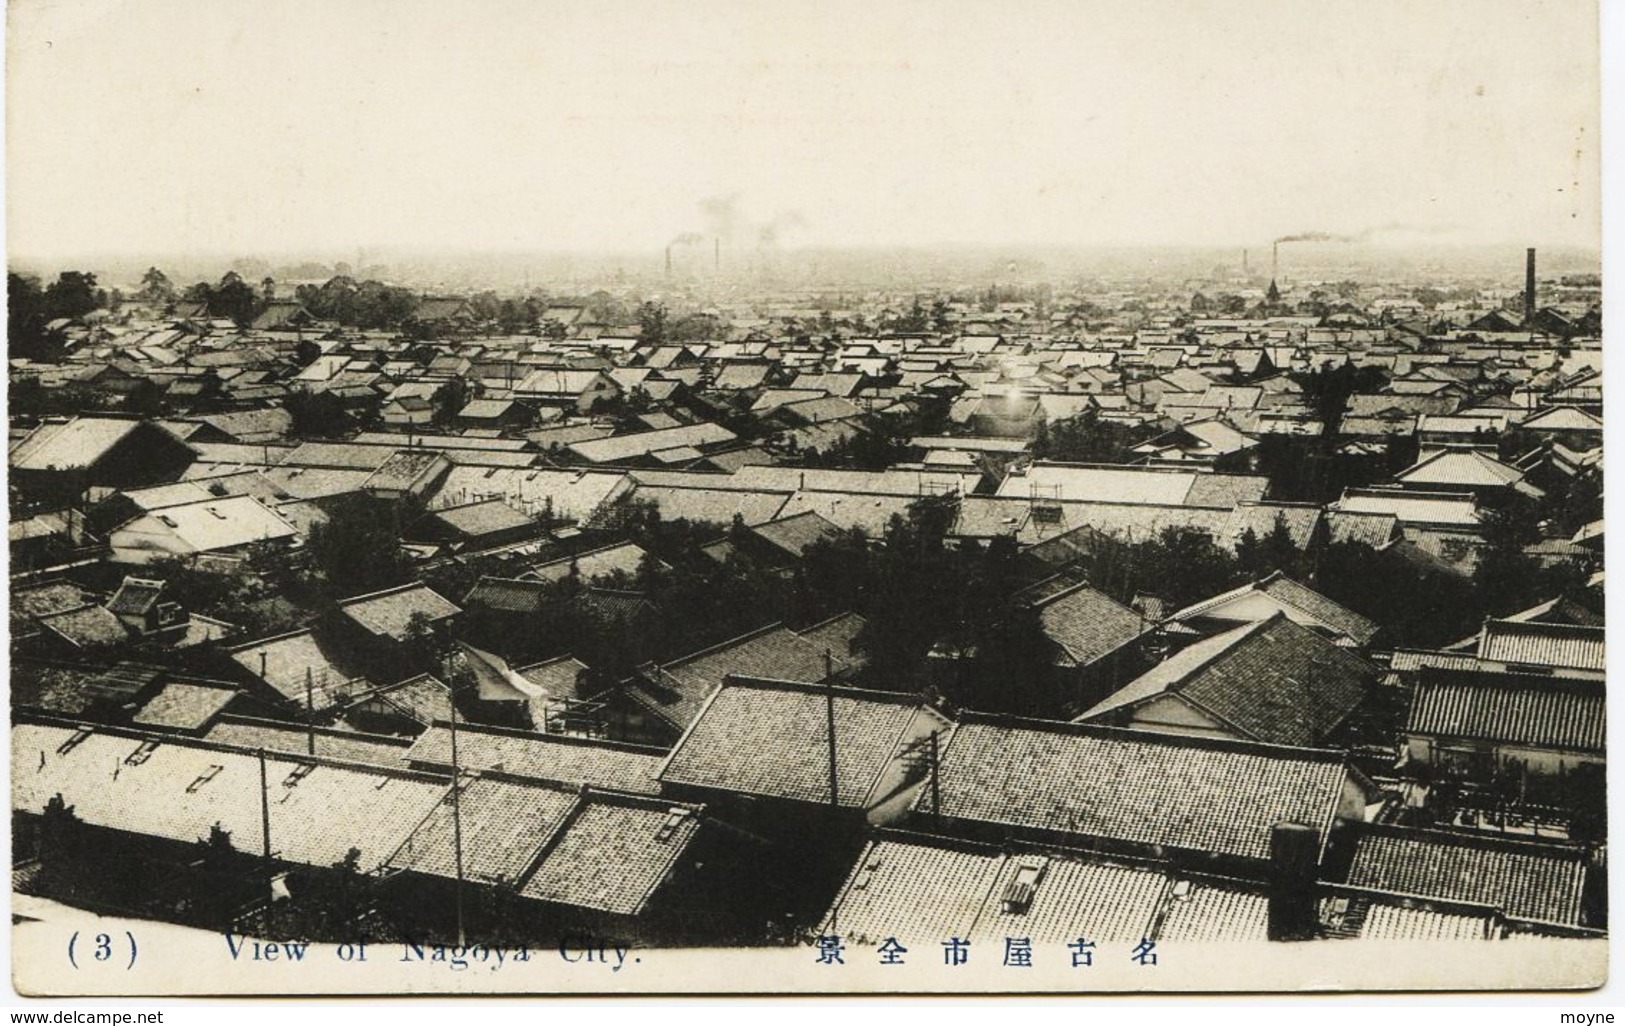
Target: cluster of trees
<point>1088,439</point>
<point>31,306</point>
<point>366,305</point>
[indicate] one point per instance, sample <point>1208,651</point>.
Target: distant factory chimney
<point>1529,288</point>
<point>1275,262</point>
<point>1244,261</point>
<point>716,250</point>
<point>668,260</point>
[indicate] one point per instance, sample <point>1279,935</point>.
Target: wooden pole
<point>265,812</point>
<point>829,715</point>
<point>457,819</point>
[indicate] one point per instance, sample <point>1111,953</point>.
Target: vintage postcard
<point>770,498</point>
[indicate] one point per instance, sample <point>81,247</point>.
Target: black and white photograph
<point>623,498</point>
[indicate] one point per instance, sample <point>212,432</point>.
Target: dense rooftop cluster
<point>1144,610</point>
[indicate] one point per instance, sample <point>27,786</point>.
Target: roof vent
<point>203,778</point>
<point>300,772</point>
<point>142,754</point>
<point>674,819</point>
<point>1019,892</point>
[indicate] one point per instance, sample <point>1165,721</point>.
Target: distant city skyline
<point>296,127</point>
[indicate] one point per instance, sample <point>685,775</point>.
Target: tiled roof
<point>1212,912</point>
<point>1524,880</point>
<point>772,739</point>
<point>1542,644</point>
<point>625,557</point>
<point>1412,507</point>
<point>290,660</point>
<point>507,594</point>
<point>184,706</point>
<point>676,690</point>
<point>86,627</point>
<point>295,739</point>
<point>489,516</point>
<point>1136,786</point>
<point>926,891</point>
<point>1310,606</point>
<point>641,839</point>
<point>1100,901</point>
<point>1087,623</point>
<point>179,790</point>
<point>519,753</point>
<point>837,635</point>
<point>1373,529</point>
<point>1271,681</point>
<point>1509,708</point>
<point>793,534</point>
<point>504,824</point>
<point>389,613</point>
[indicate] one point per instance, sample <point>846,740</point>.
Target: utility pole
<point>936,808</point>
<point>457,815</point>
<point>310,713</point>
<point>829,715</point>
<point>265,813</point>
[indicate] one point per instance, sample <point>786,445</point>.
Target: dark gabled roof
<point>1525,880</point>
<point>507,595</point>
<point>1134,786</point>
<point>1510,708</point>
<point>1088,624</point>
<point>770,738</point>
<point>185,706</point>
<point>795,533</point>
<point>135,596</point>
<point>1272,680</point>
<point>389,613</point>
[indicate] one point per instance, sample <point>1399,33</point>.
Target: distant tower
<point>1529,288</point>
<point>1274,294</point>
<point>1244,262</point>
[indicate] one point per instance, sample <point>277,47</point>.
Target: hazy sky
<point>287,125</point>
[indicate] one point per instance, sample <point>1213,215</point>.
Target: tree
<point>359,545</point>
<point>25,320</point>
<point>156,288</point>
<point>234,298</point>
<point>448,400</point>
<point>73,294</point>
<point>652,319</point>
<point>317,414</point>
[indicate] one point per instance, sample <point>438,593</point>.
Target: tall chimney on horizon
<point>1529,288</point>
<point>1275,261</point>
<point>668,260</point>
<point>716,250</point>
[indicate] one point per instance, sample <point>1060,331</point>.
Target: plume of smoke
<point>1316,237</point>
<point>687,239</point>
<point>721,214</point>
<point>769,233</point>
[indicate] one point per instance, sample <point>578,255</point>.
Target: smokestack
<point>1275,261</point>
<point>1244,261</point>
<point>1529,288</point>
<point>716,249</point>
<point>1294,866</point>
<point>668,261</point>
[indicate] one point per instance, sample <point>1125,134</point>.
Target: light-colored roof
<point>179,790</point>
<point>389,613</point>
<point>207,526</point>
